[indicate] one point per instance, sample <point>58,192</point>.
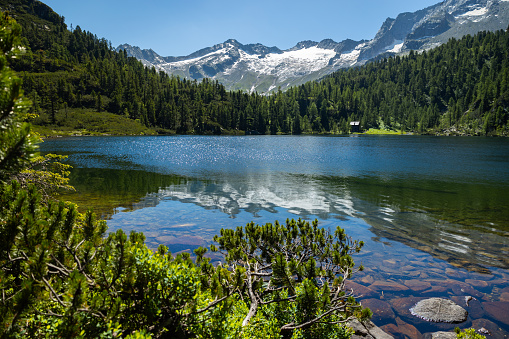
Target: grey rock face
<point>443,335</point>
<point>367,329</point>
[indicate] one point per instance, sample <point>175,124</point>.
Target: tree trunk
<point>251,313</point>
<point>252,297</point>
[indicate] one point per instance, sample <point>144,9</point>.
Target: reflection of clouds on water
<point>302,197</point>
<point>455,242</point>
<point>461,249</point>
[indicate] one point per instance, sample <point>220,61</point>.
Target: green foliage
<point>163,292</point>
<point>267,323</point>
<point>296,264</point>
<point>17,143</point>
<point>271,317</point>
<point>39,242</point>
<point>139,335</point>
<point>468,334</point>
<point>222,321</point>
<point>61,276</point>
<point>47,173</point>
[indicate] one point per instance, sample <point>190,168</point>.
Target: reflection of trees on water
<point>105,190</point>
<point>460,223</point>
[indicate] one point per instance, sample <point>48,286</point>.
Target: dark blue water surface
<point>433,211</point>
<point>457,159</point>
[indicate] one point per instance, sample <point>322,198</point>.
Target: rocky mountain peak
<point>303,45</point>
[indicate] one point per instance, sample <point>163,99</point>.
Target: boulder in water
<point>439,310</point>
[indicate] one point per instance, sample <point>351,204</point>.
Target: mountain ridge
<point>255,67</point>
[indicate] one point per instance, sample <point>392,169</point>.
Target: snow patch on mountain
<point>476,12</point>
<point>216,56</point>
<point>283,65</point>
<point>397,47</point>
<point>349,58</point>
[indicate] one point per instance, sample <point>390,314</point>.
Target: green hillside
<point>458,88</point>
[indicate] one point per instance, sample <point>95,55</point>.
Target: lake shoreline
<point>77,135</point>
<point>432,211</point>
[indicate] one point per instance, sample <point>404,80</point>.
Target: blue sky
<point>181,27</point>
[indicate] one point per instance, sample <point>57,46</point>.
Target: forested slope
<point>75,69</point>
<point>459,88</point>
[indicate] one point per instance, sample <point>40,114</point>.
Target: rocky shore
<point>392,288</point>
<point>443,312</point>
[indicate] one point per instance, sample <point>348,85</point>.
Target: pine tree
<point>17,142</point>
<point>308,264</point>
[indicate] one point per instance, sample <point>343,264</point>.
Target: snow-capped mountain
<point>255,67</point>
<point>252,67</point>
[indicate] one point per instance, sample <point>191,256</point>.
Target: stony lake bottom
<point>433,211</point>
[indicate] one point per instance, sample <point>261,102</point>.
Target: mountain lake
<point>433,211</point>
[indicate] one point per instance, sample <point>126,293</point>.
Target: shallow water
<point>433,211</point>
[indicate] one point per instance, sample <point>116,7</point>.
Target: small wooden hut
<point>355,127</point>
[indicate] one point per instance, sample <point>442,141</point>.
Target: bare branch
<point>57,298</point>
<point>213,303</point>
<point>292,326</point>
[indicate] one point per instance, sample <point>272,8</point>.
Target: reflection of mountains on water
<point>298,195</point>
<point>460,223</point>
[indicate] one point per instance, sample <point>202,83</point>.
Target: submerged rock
<point>387,286</point>
<point>402,307</point>
<point>382,310</point>
<point>478,283</point>
<point>360,290</point>
<point>408,330</point>
<point>504,296</point>
<point>368,279</point>
<point>488,328</point>
<point>439,310</point>
<point>441,335</point>
<point>455,273</point>
<point>417,285</point>
<point>497,310</point>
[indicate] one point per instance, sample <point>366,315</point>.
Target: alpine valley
<point>255,67</point>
